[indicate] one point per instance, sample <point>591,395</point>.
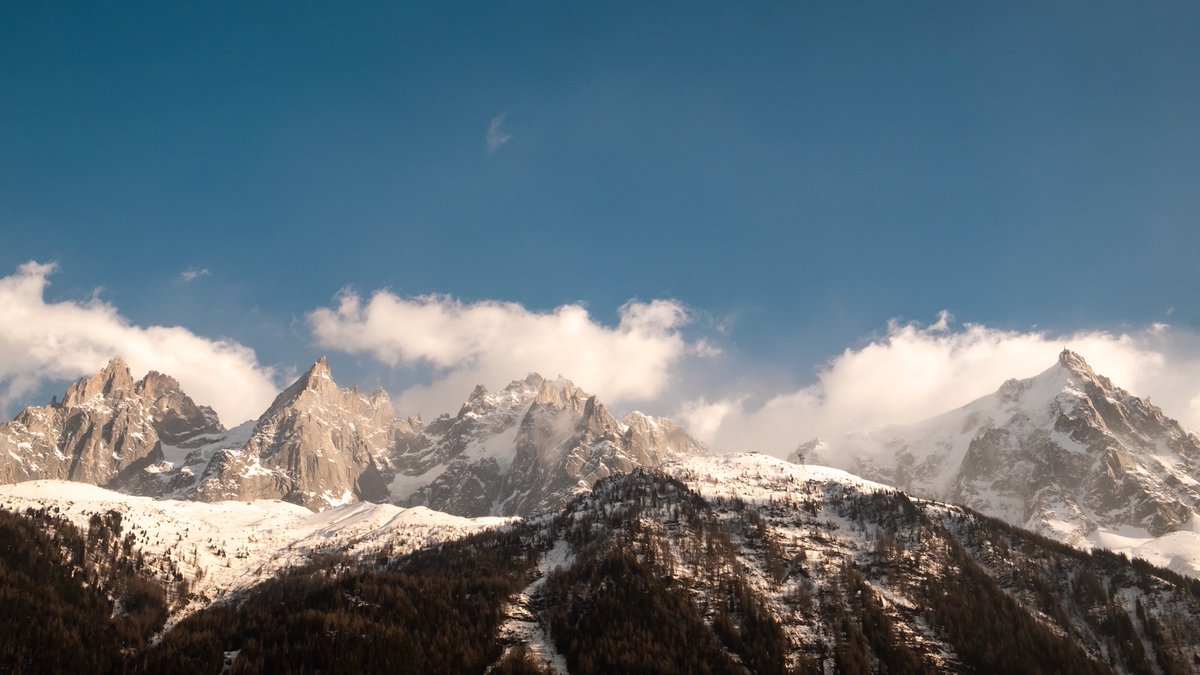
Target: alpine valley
<point>1050,527</point>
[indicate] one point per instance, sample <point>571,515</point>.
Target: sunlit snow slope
<point>222,547</point>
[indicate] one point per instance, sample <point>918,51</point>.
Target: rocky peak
<point>379,400</point>
<point>112,381</point>
<point>638,422</point>
<point>316,389</point>
<point>317,379</point>
<point>478,402</point>
<point>560,394</point>
<point>155,385</point>
<point>1075,364</point>
<point>1012,389</point>
<point>317,445</point>
<point>528,449</point>
<point>656,439</point>
<point>596,419</point>
<point>176,416</point>
<point>106,431</point>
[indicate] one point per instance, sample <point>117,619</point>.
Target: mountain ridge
<point>529,447</point>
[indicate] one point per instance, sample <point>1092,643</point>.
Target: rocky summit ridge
<point>527,449</point>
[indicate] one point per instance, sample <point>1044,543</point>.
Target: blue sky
<point>793,174</point>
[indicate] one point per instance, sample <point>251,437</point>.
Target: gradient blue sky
<point>794,173</point>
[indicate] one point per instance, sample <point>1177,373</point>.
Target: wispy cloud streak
<point>191,275</point>
<point>496,135</point>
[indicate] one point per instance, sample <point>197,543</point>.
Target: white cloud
<point>496,136</point>
<point>193,274</point>
<point>41,342</point>
<point>916,372</point>
<point>492,342</point>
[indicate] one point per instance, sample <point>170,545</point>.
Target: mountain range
<point>524,450</point>
<point>533,531</point>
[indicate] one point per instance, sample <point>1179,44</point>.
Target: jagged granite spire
<point>317,445</point>
<point>113,381</point>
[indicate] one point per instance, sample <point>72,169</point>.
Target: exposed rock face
<point>1062,453</point>
<point>528,449</point>
<point>176,417</point>
<point>106,431</point>
<point>317,446</point>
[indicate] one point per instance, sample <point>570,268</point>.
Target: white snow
<point>1178,551</point>
<point>501,447</point>
<point>228,546</point>
<point>402,487</point>
<point>740,475</point>
<point>522,626</point>
<point>233,439</point>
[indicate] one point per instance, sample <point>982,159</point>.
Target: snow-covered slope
<point>1066,453</point>
<point>184,463</point>
<point>223,547</point>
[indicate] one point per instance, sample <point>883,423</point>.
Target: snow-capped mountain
<point>527,449</point>
<point>106,431</point>
<point>1066,453</point>
<point>638,552</point>
<point>318,445</point>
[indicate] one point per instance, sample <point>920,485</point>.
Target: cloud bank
<point>916,372</point>
<point>492,342</point>
<point>42,342</point>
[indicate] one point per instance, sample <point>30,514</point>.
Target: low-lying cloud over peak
<point>492,342</point>
<point>916,372</point>
<point>42,342</point>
